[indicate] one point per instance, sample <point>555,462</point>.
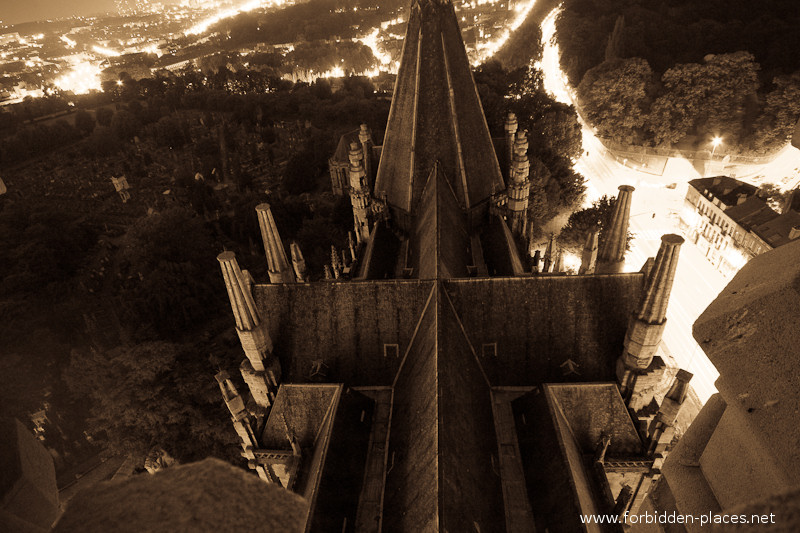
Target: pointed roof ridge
<point>414,335</point>
<point>439,376</point>
<point>440,239</point>
<point>466,337</point>
<point>436,115</point>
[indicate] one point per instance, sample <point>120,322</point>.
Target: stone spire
<point>611,258</point>
<point>235,404</point>
<point>549,254</point>
<point>653,306</point>
<point>261,369</point>
<point>336,262</point>
<point>589,256</point>
<point>298,263</point>
<point>646,325</point>
<point>351,244</point>
<point>365,138</point>
<point>242,422</point>
<point>242,304</point>
<point>662,428</point>
<point>359,193</point>
<point>277,263</point>
<point>519,184</point>
<point>510,128</point>
<point>559,264</point>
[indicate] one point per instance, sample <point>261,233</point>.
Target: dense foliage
<point>678,72</point>
<point>581,223</point>
<point>110,311</point>
<point>553,130</point>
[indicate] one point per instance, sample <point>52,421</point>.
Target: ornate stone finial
<point>336,262</point>
<point>559,265</point>
<point>661,431</point>
<point>231,396</point>
<point>328,275</point>
<point>351,244</point>
<point>242,304</point>
<point>363,134</point>
<point>680,386</point>
<point>511,124</point>
<point>549,254</point>
<point>611,258</point>
<point>298,262</point>
<point>359,193</point>
<point>646,325</point>
<point>589,256</point>
<point>240,417</point>
<point>356,156</point>
<point>520,165</point>
<point>277,263</point>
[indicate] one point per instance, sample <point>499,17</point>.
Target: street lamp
<point>716,141</point>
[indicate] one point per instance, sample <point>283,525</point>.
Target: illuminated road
<point>654,212</point>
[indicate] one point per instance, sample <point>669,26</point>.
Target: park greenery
<point>675,73</point>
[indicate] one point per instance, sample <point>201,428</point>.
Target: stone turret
<point>611,258</point>
<point>298,262</point>
<point>559,264</point>
<point>261,369</point>
<point>352,246</point>
<point>510,127</point>
<point>589,256</point>
<point>662,428</point>
<point>359,193</point>
<point>519,184</point>
<point>646,325</point>
<point>277,263</point>
<point>549,255</point>
<point>365,138</point>
<point>336,263</point>
<point>242,423</point>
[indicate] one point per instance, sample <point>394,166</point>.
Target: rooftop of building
<point>725,188</point>
<point>436,117</point>
<point>560,428</point>
<point>778,230</point>
<point>751,213</point>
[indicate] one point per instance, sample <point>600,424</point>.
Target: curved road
<point>654,212</point>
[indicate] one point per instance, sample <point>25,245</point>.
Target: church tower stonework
<point>260,369</point>
<point>646,325</point>
<point>359,193</point>
<point>611,258</point>
<point>431,368</point>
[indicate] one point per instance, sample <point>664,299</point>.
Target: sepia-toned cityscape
<point>400,265</point>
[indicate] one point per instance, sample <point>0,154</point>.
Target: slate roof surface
<point>751,213</point>
<point>725,188</point>
<point>436,115</point>
<point>304,407</point>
